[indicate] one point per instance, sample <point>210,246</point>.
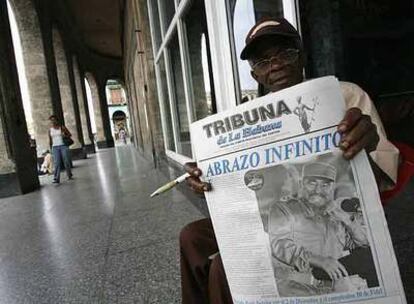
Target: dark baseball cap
<point>268,27</point>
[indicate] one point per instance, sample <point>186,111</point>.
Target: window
<point>195,26</point>
<point>184,60</point>
<point>156,22</point>
<point>167,8</point>
<point>243,14</point>
<point>178,99</point>
<point>184,77</point>
<point>164,103</point>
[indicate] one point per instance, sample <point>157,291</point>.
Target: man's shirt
<point>386,155</point>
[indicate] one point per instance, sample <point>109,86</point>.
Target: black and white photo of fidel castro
<point>316,228</point>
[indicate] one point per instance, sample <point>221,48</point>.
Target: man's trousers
<point>202,276</point>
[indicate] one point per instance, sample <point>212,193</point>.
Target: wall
<point>140,81</point>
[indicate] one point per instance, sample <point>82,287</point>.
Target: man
<point>312,232</point>
<point>273,49</point>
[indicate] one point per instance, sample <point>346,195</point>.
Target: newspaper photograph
<point>294,220</point>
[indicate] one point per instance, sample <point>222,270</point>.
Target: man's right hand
<point>331,266</point>
<point>194,180</point>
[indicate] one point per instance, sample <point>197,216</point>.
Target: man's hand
<point>339,214</point>
<point>358,132</point>
<point>331,266</point>
<point>194,180</point>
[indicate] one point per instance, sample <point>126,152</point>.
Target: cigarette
<point>170,184</point>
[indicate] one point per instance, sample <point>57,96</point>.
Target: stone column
<point>109,141</point>
<point>74,96</point>
<point>100,135</point>
<point>69,114</point>
<point>44,12</point>
<point>88,110</point>
<point>18,172</point>
<point>35,68</point>
<point>83,109</point>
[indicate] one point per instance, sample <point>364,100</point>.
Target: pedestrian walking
<point>60,140</point>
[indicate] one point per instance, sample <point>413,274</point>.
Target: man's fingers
<point>358,130</point>
<point>338,274</point>
<point>193,169</point>
<point>351,118</point>
<point>369,142</point>
<point>194,181</point>
<point>342,269</point>
<point>198,185</point>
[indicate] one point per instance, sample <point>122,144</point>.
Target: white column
<point>81,102</point>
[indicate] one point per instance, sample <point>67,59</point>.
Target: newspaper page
<point>295,222</point>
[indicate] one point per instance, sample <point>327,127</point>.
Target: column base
<point>105,144</point>
<point>90,149</point>
<point>78,153</point>
<point>10,185</point>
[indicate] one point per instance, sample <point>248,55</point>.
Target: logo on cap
<point>263,25</point>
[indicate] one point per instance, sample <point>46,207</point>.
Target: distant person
<point>122,135</point>
<point>60,140</point>
<point>47,165</point>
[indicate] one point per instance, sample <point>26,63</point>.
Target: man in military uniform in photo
<point>312,238</point>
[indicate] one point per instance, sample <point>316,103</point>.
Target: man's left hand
<point>358,132</point>
<point>337,213</point>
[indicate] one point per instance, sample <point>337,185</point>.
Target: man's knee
<point>191,233</point>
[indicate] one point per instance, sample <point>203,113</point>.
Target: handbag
<point>68,141</point>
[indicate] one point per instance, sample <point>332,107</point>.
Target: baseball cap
<point>268,27</point>
<point>318,169</point>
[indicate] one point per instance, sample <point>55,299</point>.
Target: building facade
<point>182,61</point>
<point>182,64</point>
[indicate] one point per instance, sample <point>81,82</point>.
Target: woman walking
<point>60,140</point>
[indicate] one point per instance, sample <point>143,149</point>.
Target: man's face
<point>276,64</point>
<point>318,190</point>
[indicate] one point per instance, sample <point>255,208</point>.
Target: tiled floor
<point>96,239</point>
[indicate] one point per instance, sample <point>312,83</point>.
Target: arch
<point>120,124</point>
<point>116,78</point>
<point>37,92</point>
<point>119,115</point>
<point>117,107</point>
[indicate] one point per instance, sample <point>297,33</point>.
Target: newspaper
<point>295,222</point>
